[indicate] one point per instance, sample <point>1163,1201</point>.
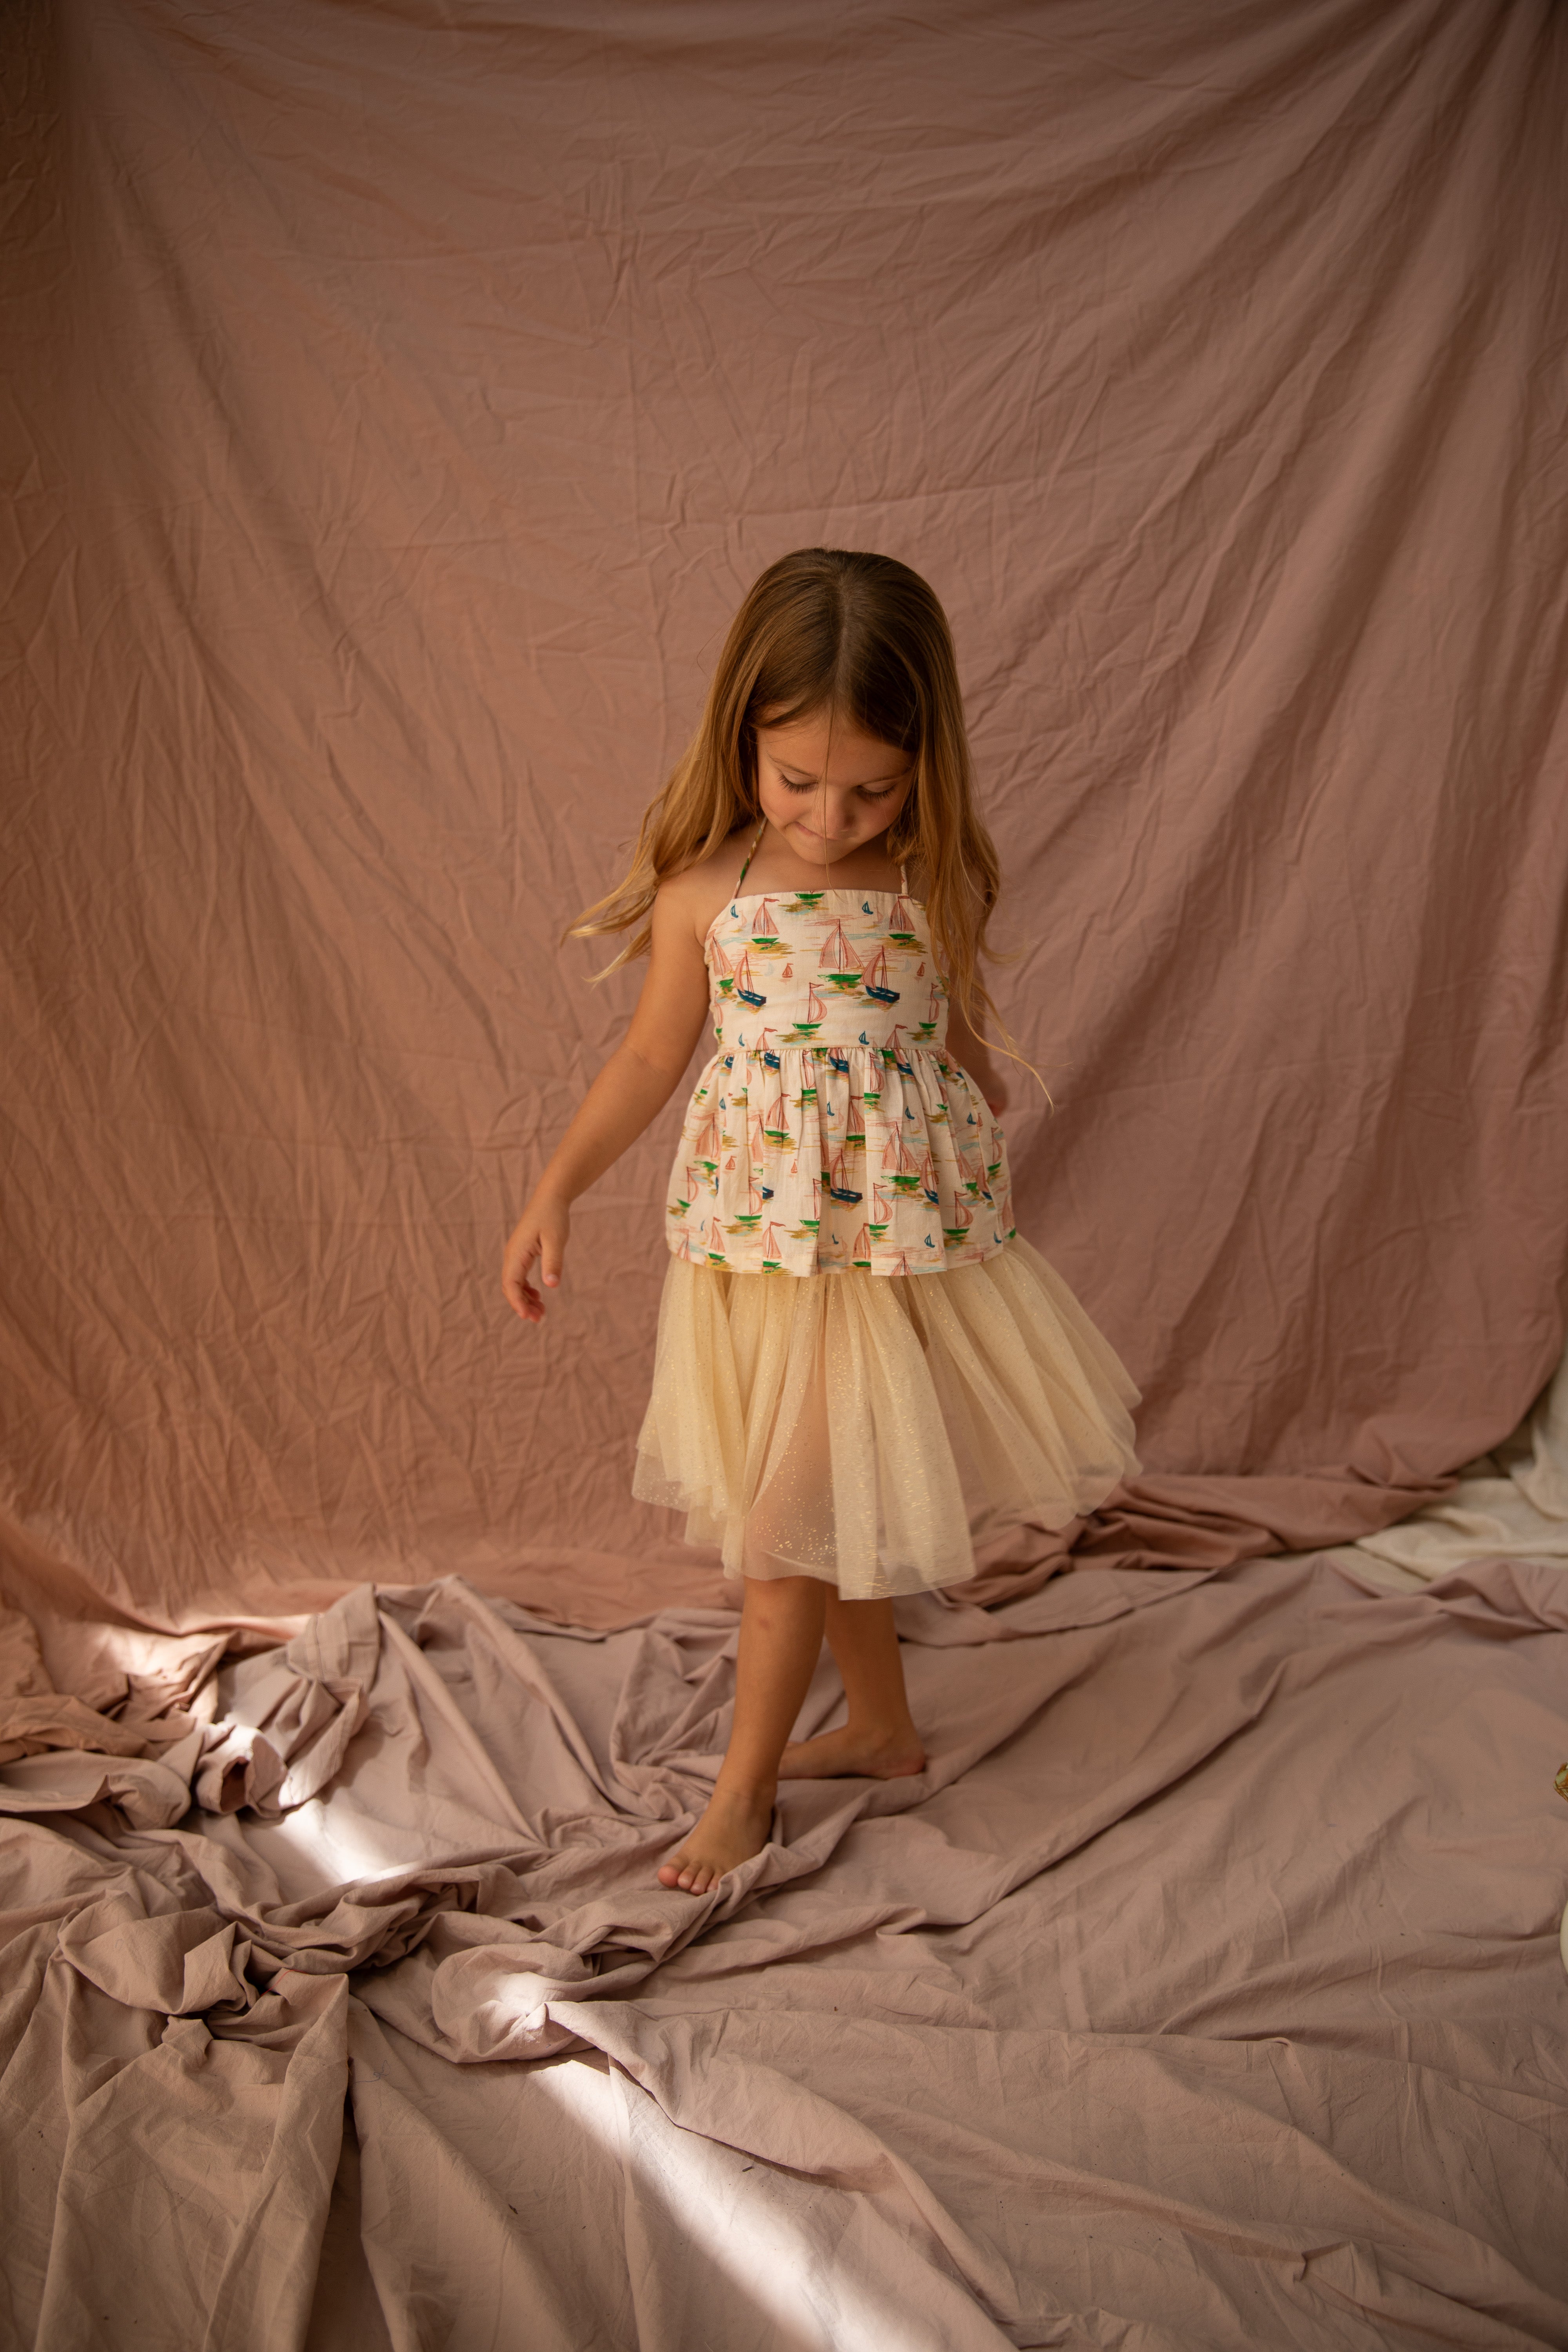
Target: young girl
<point>856,1348</point>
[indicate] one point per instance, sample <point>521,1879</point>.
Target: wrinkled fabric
<point>1511,1502</point>
<point>263,1731</point>
<point>1203,1988</point>
<point>401,400</point>
<point>402,404</point>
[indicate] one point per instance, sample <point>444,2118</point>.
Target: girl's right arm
<point>628,1093</point>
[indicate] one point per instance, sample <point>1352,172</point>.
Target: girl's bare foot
<point>731,1830</point>
<point>851,1753</point>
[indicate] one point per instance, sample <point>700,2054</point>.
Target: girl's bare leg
<point>880,1740</point>
<point>781,1640</point>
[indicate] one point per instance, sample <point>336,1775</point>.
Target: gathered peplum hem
<point>829,1157</point>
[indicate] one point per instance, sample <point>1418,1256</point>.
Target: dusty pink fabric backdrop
<point>408,402</point>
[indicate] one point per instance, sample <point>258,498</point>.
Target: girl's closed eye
<point>886,793</point>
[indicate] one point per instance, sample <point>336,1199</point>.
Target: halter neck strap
<point>904,881</point>
<point>749,855</point>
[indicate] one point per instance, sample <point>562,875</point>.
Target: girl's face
<point>830,797</point>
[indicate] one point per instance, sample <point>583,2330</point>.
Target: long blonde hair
<point>863,637</point>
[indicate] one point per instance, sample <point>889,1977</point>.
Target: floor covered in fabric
<point>1204,1990</point>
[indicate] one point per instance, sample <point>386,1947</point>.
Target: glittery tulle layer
<point>841,1426</point>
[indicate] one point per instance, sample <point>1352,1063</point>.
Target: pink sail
<point>837,955</point>
<point>897,1159</point>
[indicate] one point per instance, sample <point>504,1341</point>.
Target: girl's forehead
<point>851,756</point>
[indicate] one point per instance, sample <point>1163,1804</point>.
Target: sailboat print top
<point>830,1129</point>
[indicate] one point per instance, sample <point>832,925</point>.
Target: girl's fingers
<point>514,1282</point>
<point>517,1263</point>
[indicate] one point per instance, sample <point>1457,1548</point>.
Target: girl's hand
<point>541,1233</point>
<point>994,1091</point>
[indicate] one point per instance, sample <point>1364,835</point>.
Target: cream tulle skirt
<point>851,1425</point>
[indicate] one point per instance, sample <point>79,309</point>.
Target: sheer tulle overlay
<point>846,1426</point>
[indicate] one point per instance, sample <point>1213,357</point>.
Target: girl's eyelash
<point>790,787</point>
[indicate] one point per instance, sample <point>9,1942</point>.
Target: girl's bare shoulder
<point>699,890</point>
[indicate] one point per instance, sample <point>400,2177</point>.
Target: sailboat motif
<point>928,1026</point>
<point>776,1123</point>
<point>764,937</point>
<point>840,966</point>
<point>747,1220</point>
<point>746,987</point>
<point>956,1234</point>
<point>706,1144</point>
<point>876,980</point>
<point>678,1207</point>
<point>721,968</point>
<point>838,1186</point>
<point>900,1166</point>
<point>901,932</point>
<point>815,1009</point>
<point>812,1224</point>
